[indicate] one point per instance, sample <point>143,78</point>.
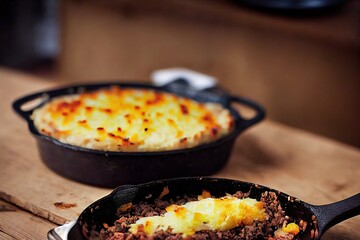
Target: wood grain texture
<point>5,236</point>
<point>315,169</point>
<point>19,224</point>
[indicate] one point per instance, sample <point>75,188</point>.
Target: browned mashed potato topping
<point>264,219</point>
<point>129,119</point>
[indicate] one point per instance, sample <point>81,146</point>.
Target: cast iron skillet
<point>111,169</point>
<point>104,210</point>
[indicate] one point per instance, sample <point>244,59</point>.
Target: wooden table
<point>312,168</point>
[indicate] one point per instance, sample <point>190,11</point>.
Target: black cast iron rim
<point>326,216</point>
<point>92,216</point>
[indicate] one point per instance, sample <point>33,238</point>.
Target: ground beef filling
<point>258,230</point>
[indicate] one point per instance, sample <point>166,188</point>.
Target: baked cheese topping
<point>291,228</point>
<point>129,119</point>
<point>207,214</point>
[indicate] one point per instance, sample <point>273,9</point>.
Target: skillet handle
<point>260,112</point>
<point>334,213</point>
<point>20,102</point>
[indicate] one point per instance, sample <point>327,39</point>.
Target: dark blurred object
<point>297,6</point>
<point>28,33</point>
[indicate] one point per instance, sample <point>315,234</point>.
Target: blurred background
<point>302,64</point>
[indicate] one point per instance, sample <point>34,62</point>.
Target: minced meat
<point>275,216</point>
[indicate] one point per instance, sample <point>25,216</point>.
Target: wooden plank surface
<point>19,224</point>
<point>314,169</point>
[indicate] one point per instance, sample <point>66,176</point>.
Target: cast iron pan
<point>111,169</point>
<point>104,210</point>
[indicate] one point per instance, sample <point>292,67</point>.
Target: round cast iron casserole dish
<point>110,169</point>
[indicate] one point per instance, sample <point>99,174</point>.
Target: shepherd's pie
<point>131,119</point>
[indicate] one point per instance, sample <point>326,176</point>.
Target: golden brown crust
<point>123,119</point>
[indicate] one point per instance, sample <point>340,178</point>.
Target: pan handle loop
<point>19,103</point>
<point>334,213</point>
<point>260,111</point>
